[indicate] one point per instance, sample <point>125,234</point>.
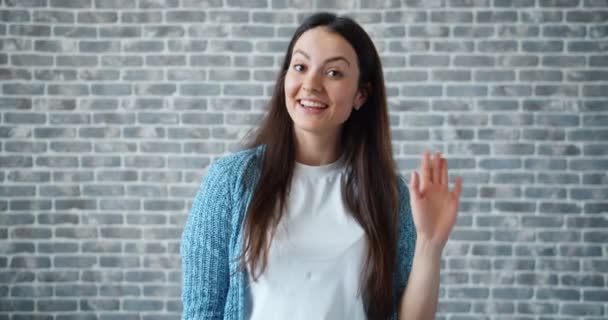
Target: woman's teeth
<point>312,104</point>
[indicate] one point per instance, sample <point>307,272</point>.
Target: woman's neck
<point>317,149</point>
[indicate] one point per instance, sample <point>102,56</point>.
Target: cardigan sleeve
<point>204,248</point>
<point>406,243</point>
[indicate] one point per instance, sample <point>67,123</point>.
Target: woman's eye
<point>334,73</point>
<point>298,67</point>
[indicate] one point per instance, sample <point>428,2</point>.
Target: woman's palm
<point>434,206</point>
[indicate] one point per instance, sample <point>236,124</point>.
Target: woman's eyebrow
<point>326,60</point>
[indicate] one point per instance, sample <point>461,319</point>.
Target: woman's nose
<point>311,83</point>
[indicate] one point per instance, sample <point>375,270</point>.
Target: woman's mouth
<point>311,106</point>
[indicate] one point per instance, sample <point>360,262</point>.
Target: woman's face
<point>322,82</point>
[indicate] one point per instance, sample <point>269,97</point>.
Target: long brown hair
<point>370,186</point>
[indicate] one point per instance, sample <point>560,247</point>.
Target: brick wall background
<point>112,109</point>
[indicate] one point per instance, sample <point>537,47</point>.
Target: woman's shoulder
<point>239,162</point>
<point>403,191</point>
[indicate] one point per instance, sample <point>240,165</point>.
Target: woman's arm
<point>434,211</point>
<point>419,300</point>
<point>204,248</point>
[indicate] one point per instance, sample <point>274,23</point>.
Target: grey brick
<point>16,305</point>
<point>542,46</point>
<point>73,146</point>
<point>539,16</point>
<point>600,31</point>
<point>53,16</point>
<point>126,175</point>
<point>120,204</point>
<point>29,30</point>
<point>420,91</point>
<point>585,46</point>
<point>18,247</point>
<point>142,17</point>
<point>77,61</point>
<point>182,16</point>
<point>143,46</point>
<point>165,60</point>
<point>157,4</point>
<point>588,135</point>
<point>59,191</point>
<point>15,74</point>
<point>58,218</point>
<point>523,31</point>
<point>121,32</point>
<point>99,46</point>
<point>57,305</point>
<point>114,4</point>
<point>497,46</point>
<point>559,294</point>
<point>550,134</point>
<point>513,264</point>
<point>453,46</point>
<point>545,192</point>
<point>55,74</point>
<point>154,89</point>
<point>122,61</point>
<point>67,204</point>
<point>142,305</point>
<point>102,191</point>
<point>121,290</point>
<point>511,90</point>
<point>469,293</point>
<point>540,75</point>
<point>100,304</point>
<point>97,17</point>
<point>562,61</point>
<point>580,309</point>
<point>101,161</point>
<point>595,236</point>
<point>472,61</point>
<point>28,176</point>
<point>23,291</point>
<point>593,16</point>
<point>585,280</point>
<point>73,290</point>
<point>494,76</point>
<point>580,75</point>
<point>53,46</point>
<point>160,32</point>
<point>119,262</point>
<point>75,32</point>
<point>594,178</point>
<point>496,16</point>
<point>559,3</point>
<point>581,251</point>
<point>149,75</point>
<point>565,31</point>
<point>544,308</point>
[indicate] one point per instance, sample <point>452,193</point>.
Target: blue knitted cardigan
<point>213,284</point>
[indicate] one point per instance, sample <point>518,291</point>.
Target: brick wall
<point>111,110</point>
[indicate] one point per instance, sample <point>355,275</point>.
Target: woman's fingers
<point>444,172</point>
<point>457,187</point>
<point>437,168</point>
<point>426,171</point>
<point>415,184</point>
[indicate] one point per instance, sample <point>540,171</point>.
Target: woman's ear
<point>361,96</point>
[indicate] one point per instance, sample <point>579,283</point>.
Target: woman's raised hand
<point>434,206</point>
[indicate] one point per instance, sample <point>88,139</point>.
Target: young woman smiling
<point>312,220</point>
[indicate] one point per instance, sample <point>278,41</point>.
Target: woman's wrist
<point>428,249</point>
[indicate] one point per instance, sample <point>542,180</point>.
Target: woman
<point>312,221</point>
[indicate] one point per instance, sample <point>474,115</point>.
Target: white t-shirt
<point>316,256</point>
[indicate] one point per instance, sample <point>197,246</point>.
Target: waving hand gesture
<point>434,206</point>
